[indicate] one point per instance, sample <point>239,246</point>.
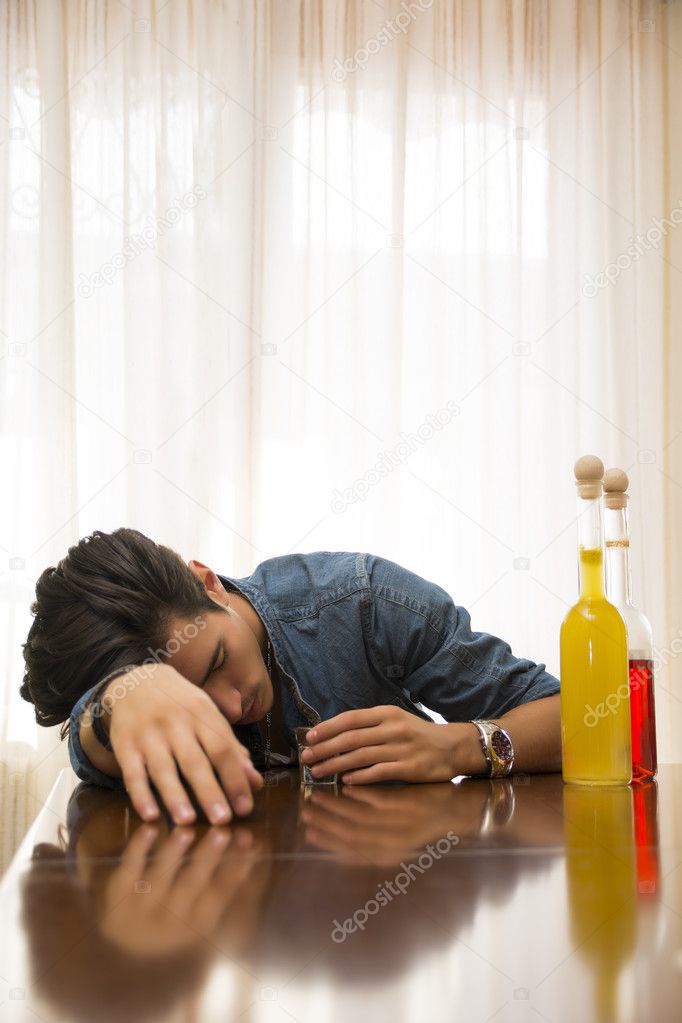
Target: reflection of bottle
<point>640,640</point>
<point>600,874</point>
<point>645,803</point>
<point>595,701</point>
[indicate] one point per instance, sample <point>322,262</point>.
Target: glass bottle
<point>640,638</point>
<point>595,698</point>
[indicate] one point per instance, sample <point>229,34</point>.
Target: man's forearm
<point>535,732</point>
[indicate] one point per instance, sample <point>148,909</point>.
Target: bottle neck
<point>617,544</point>
<point>591,559</point>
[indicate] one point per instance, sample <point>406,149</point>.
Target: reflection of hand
<point>159,905</point>
<point>382,825</point>
<point>385,743</point>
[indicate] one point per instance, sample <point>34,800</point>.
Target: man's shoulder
<point>391,579</point>
<point>327,569</point>
<point>307,577</point>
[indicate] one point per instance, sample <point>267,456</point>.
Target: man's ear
<point>211,582</point>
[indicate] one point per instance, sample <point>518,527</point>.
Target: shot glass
<point>307,778</point>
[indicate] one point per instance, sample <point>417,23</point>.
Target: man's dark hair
<point>108,603</point>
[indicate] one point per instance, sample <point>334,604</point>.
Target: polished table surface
<point>506,900</point>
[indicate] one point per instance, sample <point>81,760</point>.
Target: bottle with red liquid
<point>640,639</point>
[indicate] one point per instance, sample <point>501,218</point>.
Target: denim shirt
<point>352,630</point>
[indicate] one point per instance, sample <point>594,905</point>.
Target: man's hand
<point>386,744</point>
<point>160,722</point>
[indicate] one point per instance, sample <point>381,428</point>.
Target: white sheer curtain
<point>284,276</point>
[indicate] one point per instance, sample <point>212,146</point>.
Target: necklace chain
<point>267,716</point>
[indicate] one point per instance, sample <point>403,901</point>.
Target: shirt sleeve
<point>422,641</point>
<point>84,769</point>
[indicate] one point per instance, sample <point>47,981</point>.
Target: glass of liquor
<point>640,637</point>
<point>307,778</point>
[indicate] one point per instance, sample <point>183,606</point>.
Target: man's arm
<point>422,643</point>
<point>534,729</point>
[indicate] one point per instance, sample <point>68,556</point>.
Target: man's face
<point>225,658</point>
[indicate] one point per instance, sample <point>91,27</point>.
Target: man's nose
<point>229,701</point>
<point>234,703</point>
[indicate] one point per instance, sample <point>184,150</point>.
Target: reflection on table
<point>519,896</point>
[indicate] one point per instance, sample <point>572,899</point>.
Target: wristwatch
<point>497,748</point>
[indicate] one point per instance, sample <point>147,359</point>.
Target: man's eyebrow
<point>214,658</point>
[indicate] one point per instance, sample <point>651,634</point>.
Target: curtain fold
<point>341,276</point>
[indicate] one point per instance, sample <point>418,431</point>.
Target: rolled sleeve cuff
<point>544,685</point>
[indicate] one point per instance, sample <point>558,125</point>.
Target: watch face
<point>501,745</point>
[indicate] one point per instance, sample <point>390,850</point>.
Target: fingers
<point>362,757</point>
<point>164,752</point>
<point>337,839</point>
<point>350,808</point>
<point>198,772</point>
<point>162,869</point>
<point>163,772</point>
<point>384,801</point>
<point>256,779</point>
<point>345,742</point>
<point>132,862</point>
<point>237,774</point>
<point>211,882</point>
<point>342,850</point>
<point>166,758</point>
<point>343,722</point>
<point>197,877</point>
<point>392,771</point>
<point>354,729</point>
<point>137,785</point>
<point>366,835</point>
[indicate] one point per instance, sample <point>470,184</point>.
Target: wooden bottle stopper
<point>615,485</point>
<point>588,472</point>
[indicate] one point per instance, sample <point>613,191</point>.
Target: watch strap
<point>97,710</point>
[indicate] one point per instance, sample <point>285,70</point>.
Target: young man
<point>167,674</point>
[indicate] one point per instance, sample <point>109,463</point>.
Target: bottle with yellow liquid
<point>595,692</point>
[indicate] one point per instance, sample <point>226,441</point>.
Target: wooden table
<point>507,900</point>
